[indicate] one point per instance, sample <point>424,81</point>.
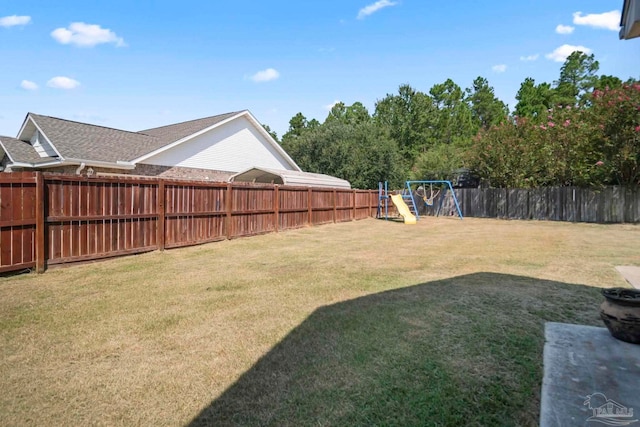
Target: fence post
<point>354,206</point>
<point>40,223</point>
<point>228,208</point>
<point>309,206</point>
<point>370,201</point>
<point>335,206</point>
<point>276,206</point>
<point>162,218</point>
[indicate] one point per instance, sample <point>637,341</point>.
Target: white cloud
<point>560,54</point>
<point>14,20</point>
<point>564,29</point>
<point>529,57</point>
<point>374,7</point>
<point>86,35</point>
<point>61,82</point>
<point>606,20</point>
<point>328,107</point>
<point>265,75</point>
<point>28,85</point>
<point>500,68</point>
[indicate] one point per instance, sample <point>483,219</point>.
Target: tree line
<point>582,130</point>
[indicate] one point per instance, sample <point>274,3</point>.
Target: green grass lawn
<point>364,323</point>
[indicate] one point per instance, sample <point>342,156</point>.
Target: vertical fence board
<point>517,204</point>
<point>556,204</point>
<point>539,203</point>
<point>501,202</point>
<point>632,208</point>
<point>6,217</point>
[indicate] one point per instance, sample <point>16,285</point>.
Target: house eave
<point>630,20</point>
<point>75,162</point>
<point>97,163</point>
<point>36,165</point>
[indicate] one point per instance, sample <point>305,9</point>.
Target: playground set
<point>416,197</point>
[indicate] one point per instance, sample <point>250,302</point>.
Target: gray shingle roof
<point>20,151</point>
<point>91,142</point>
<point>175,132</point>
<point>76,140</point>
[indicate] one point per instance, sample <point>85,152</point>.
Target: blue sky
<point>136,65</point>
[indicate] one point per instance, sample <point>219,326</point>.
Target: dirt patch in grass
<point>371,322</point>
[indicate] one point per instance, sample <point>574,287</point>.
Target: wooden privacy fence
<point>605,205</point>
<point>54,219</point>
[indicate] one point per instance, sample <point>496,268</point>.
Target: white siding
<point>233,147</point>
<point>41,146</point>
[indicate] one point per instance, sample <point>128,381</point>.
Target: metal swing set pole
<point>383,196</point>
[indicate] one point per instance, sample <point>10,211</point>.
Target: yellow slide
<point>403,209</point>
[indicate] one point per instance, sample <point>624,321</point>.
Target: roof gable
<point>21,152</point>
<point>92,142</point>
<point>196,129</point>
<point>232,146</point>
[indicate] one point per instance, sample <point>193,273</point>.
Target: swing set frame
<point>448,187</point>
<point>383,197</point>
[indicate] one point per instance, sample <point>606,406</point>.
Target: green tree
<point>273,134</point>
<point>291,141</point>
<point>534,100</point>
<point>586,145</point>
<point>440,162</point>
<point>578,76</point>
<point>353,114</point>
<point>297,125</point>
<point>312,124</point>
<point>409,118</point>
<point>616,113</point>
<point>605,82</point>
<point>361,153</point>
<point>454,123</point>
<point>486,108</point>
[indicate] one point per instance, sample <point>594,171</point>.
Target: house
<point>630,19</point>
<point>211,148</point>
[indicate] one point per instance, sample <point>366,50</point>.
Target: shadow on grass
<point>397,219</point>
<point>460,351</point>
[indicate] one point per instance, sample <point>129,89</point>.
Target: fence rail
<point>54,219</point>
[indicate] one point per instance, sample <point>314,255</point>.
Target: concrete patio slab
<point>590,378</point>
<point>631,275</point>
